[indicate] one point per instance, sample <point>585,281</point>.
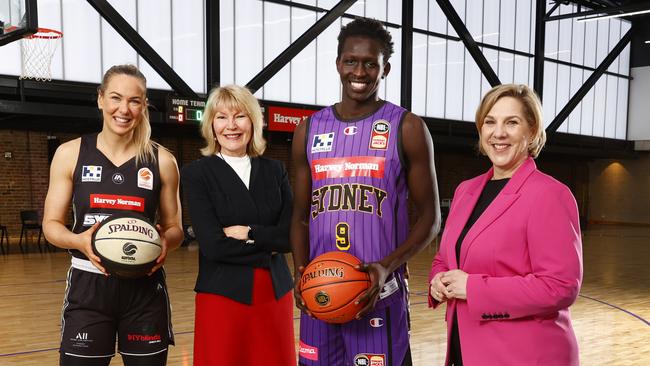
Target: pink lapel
<point>501,203</point>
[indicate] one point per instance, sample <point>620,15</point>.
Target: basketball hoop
<point>38,50</point>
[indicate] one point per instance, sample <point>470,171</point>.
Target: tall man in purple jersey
<point>356,163</point>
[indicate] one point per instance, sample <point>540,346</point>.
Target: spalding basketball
<point>128,246</point>
<point>331,285</point>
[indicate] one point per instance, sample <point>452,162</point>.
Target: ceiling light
<point>599,17</point>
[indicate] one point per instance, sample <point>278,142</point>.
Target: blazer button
<point>500,316</point>
<point>485,316</point>
<point>506,315</point>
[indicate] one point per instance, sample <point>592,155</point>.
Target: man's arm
<point>169,225</point>
<point>299,232</point>
<point>423,192</point>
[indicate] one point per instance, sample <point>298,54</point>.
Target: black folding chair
<point>30,222</point>
<point>4,235</point>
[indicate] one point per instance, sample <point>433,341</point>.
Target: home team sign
<point>286,119</point>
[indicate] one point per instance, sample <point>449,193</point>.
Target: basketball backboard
<point>18,18</point>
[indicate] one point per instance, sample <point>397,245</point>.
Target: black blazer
<point>217,198</point>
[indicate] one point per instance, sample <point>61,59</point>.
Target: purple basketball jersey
<point>359,186</point>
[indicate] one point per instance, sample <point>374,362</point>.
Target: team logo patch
<point>91,219</point>
<point>380,134</point>
<point>350,131</point>
<point>322,298</point>
<point>376,322</point>
<point>308,352</point>
<point>322,143</point>
<point>369,359</point>
<point>145,178</point>
<point>129,203</point>
<point>91,173</point>
<point>118,178</point>
<point>353,166</point>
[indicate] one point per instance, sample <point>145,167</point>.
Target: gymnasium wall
<point>24,178</point>
<point>620,190</point>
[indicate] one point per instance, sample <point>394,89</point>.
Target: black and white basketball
<point>128,246</point>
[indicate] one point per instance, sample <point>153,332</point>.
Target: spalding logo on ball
<point>330,286</point>
<point>128,246</point>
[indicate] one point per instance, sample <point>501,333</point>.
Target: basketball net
<point>38,50</point>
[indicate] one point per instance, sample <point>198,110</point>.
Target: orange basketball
<point>331,285</point>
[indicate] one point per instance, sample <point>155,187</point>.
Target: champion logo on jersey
<point>376,322</point>
<point>145,178</point>
<point>91,173</point>
<point>380,134</point>
<point>322,142</point>
<point>350,131</point>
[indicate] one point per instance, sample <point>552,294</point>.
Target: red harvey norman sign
<point>286,119</point>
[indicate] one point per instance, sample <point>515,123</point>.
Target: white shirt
<point>241,166</point>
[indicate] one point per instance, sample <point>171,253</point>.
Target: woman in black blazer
<point>240,207</point>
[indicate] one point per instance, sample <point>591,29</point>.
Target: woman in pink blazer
<point>510,260</point>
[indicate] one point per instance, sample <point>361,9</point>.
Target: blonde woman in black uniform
<point>94,172</point>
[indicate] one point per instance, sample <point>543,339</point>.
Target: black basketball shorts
<point>96,308</point>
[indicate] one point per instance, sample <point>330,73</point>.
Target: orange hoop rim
<point>46,33</point>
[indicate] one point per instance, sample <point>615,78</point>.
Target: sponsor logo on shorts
<point>145,178</point>
<point>81,340</point>
<point>115,202</point>
<point>118,178</point>
<point>380,134</point>
<point>350,131</point>
<point>352,166</point>
<point>308,352</point>
<point>91,173</point>
<point>91,219</point>
<point>322,143</point>
<point>148,338</point>
<point>369,359</point>
<point>376,322</point>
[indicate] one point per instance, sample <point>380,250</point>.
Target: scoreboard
<point>182,109</point>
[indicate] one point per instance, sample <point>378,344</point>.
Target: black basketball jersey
<point>102,189</point>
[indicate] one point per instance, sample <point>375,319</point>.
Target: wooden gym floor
<point>611,316</point>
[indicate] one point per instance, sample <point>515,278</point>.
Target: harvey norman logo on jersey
<point>286,119</point>
<point>353,166</point>
<point>115,202</point>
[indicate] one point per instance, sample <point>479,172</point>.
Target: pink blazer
<point>524,260</point>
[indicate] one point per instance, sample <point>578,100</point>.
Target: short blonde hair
<point>238,98</point>
<point>532,112</point>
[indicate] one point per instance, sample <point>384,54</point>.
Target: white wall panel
<point>602,40</point>
<point>277,37</point>
<point>326,4</point>
<point>591,30</point>
<point>564,36</point>
<point>473,20</point>
<point>523,25</point>
<point>621,110</point>
<point>49,16</point>
<point>156,29</point>
<point>12,59</point>
<point>562,92</point>
<point>492,58</point>
<point>81,48</point>
<point>392,84</point>
<point>490,22</point>
<point>459,6</point>
<point>578,43</point>
<point>454,83</point>
<point>611,106</point>
<point>328,84</point>
<point>587,109</point>
<point>115,50</point>
<point>377,10</point>
<point>303,66</point>
<point>471,88</point>
<point>507,24</point>
<point>420,14</point>
<point>358,9</point>
<point>248,40</point>
<point>614,37</point>
<point>521,69</point>
<point>551,39</point>
<point>576,114</point>
<point>227,41</point>
<point>436,77</point>
<point>188,46</point>
<point>506,67</point>
<point>394,12</point>
<point>550,80</point>
<point>437,19</point>
<point>600,99</point>
<point>419,81</point>
<point>624,63</point>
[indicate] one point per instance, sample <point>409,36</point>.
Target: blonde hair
<point>238,98</point>
<point>142,132</point>
<point>532,112</point>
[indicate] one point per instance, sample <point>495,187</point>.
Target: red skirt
<point>227,332</point>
